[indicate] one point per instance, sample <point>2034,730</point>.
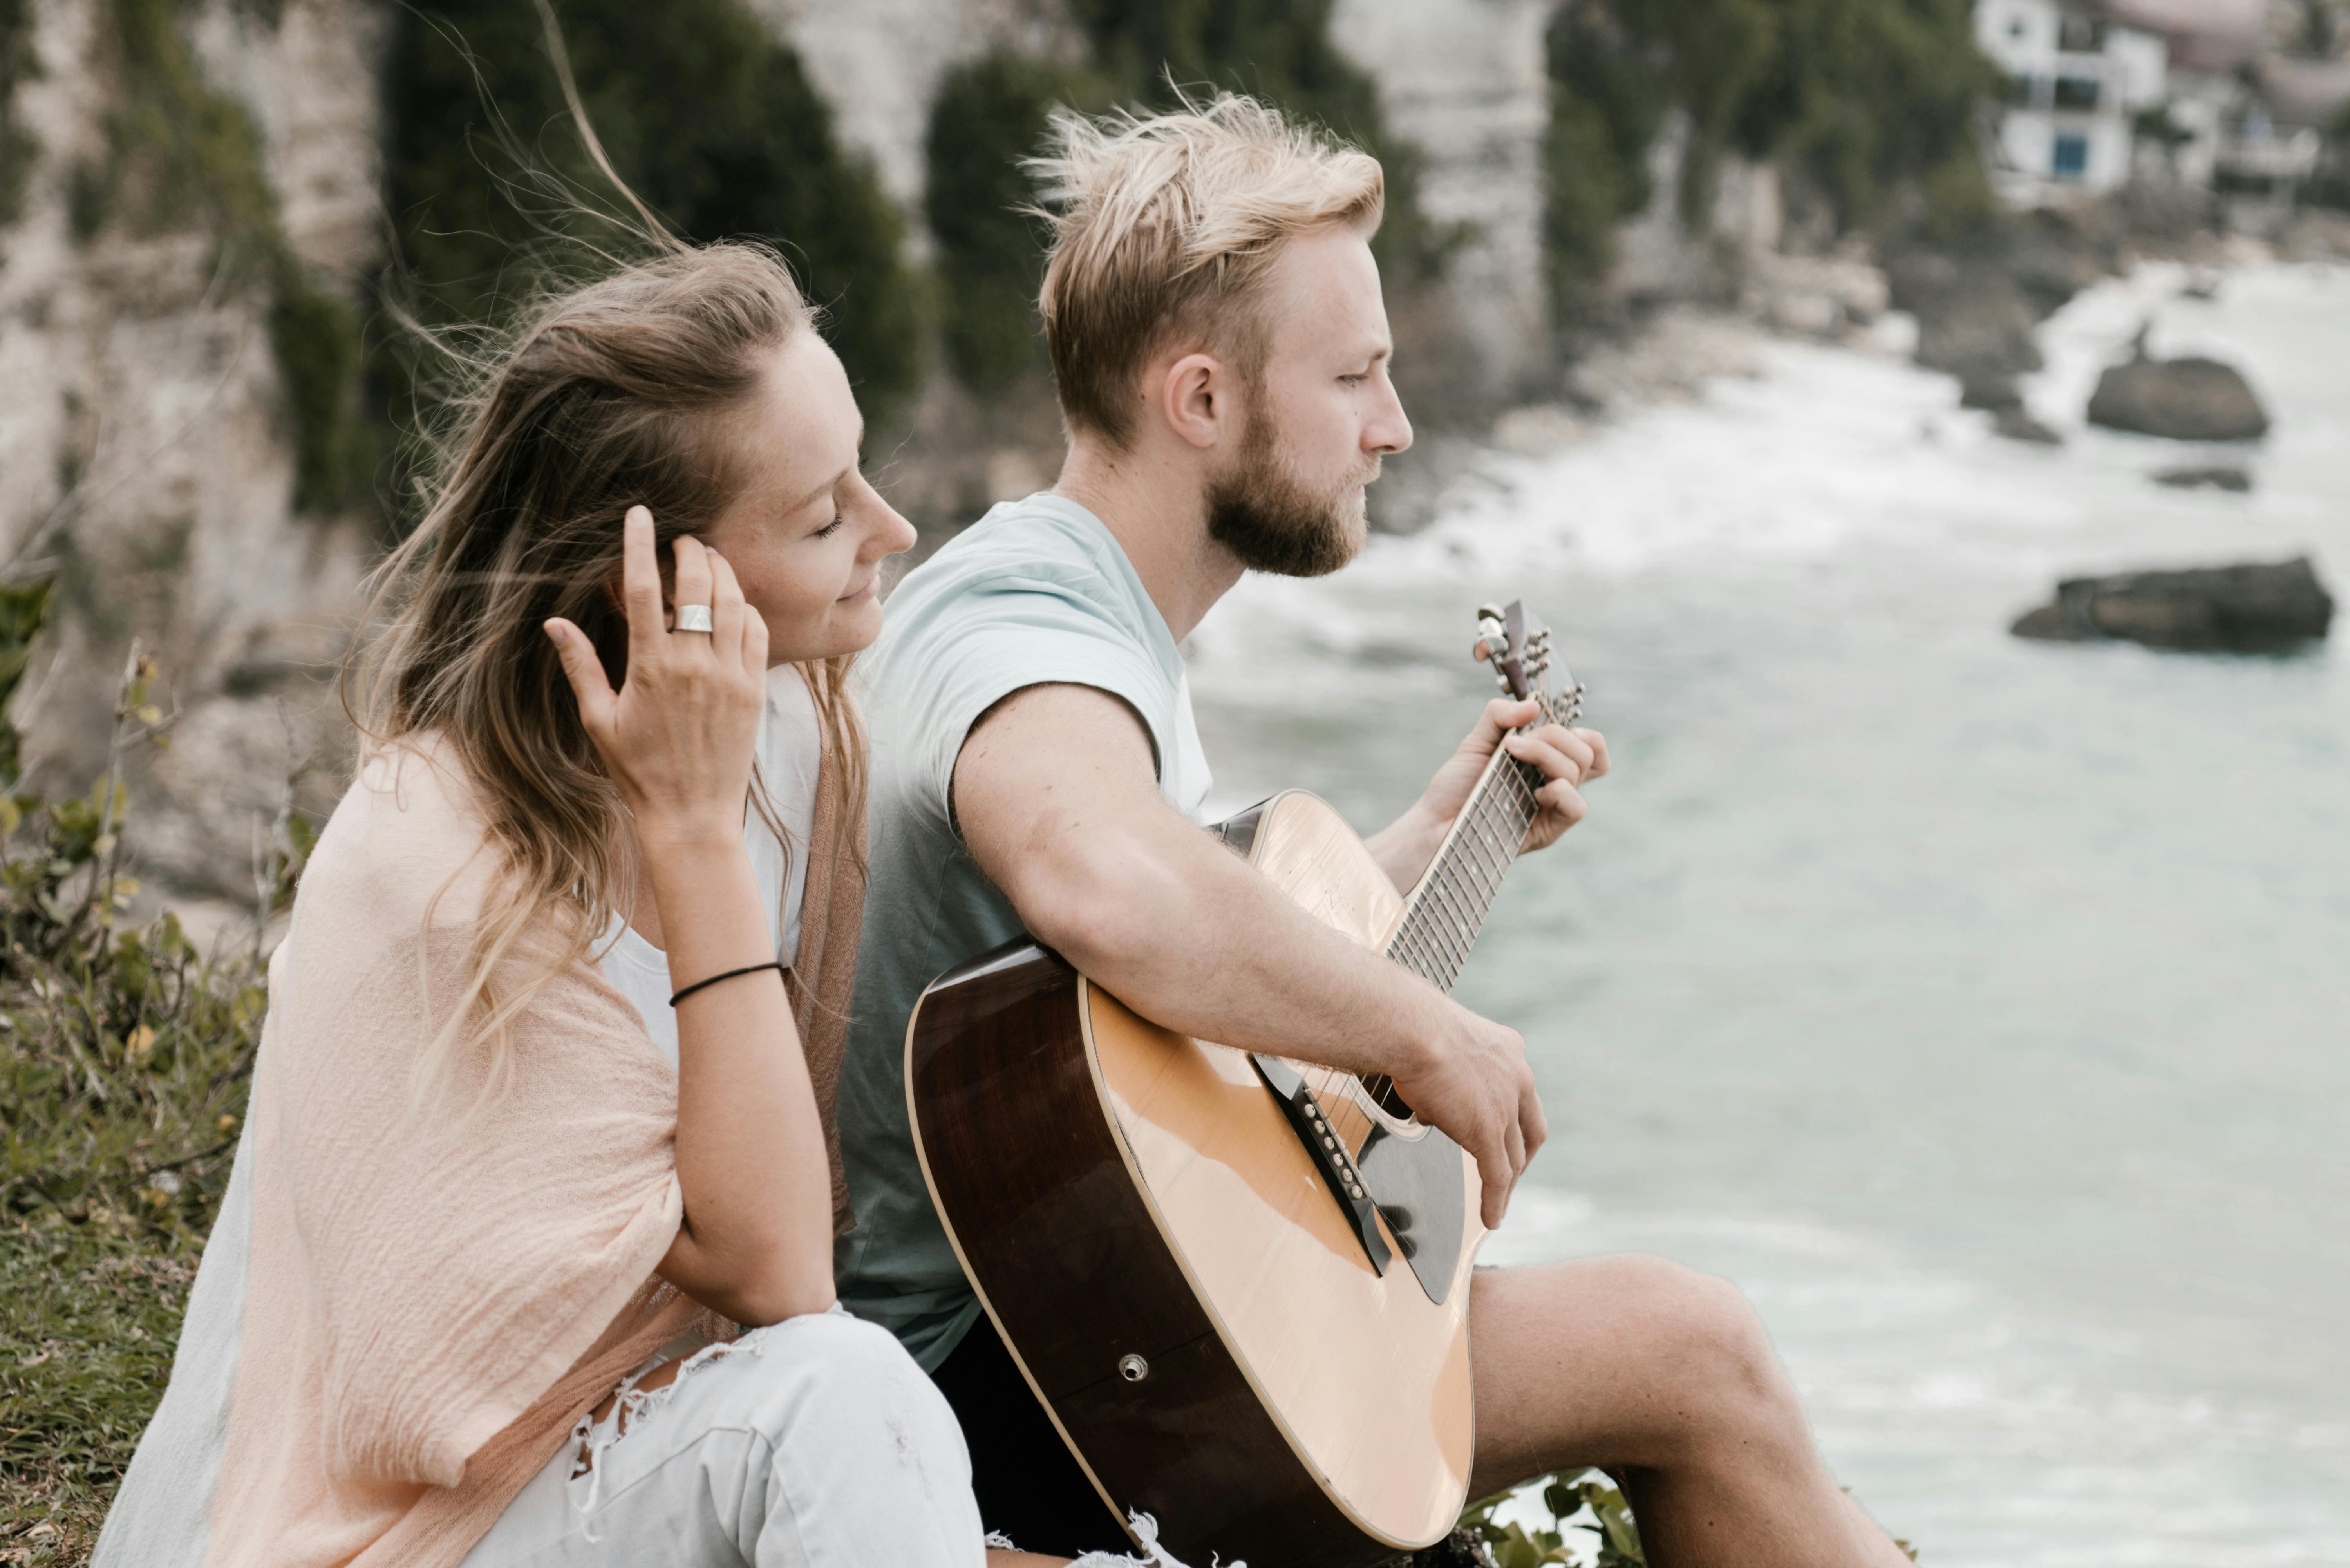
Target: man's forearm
<point>1204,945</point>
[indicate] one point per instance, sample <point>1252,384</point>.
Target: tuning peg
<point>1492,640</point>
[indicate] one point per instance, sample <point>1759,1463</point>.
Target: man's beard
<point>1273,522</point>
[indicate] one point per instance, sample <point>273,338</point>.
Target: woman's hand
<point>755,1239</point>
<point>677,737</point>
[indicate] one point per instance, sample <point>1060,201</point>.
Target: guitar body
<point>1181,1276</point>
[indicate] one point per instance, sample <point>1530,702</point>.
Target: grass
<point>126,1054</point>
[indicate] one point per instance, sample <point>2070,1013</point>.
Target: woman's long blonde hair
<point>607,396</point>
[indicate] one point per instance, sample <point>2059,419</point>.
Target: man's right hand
<point>1474,1086</point>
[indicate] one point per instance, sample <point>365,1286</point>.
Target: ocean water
<point>1981,1007</point>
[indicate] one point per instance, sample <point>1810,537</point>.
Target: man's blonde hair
<point>1166,226</point>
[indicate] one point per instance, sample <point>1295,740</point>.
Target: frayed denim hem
<point>630,1406</point>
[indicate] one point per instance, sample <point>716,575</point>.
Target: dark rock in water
<point>1976,300</point>
<point>2017,425</point>
<point>2185,399</point>
<point>2257,608</point>
<point>1973,324</point>
<point>2220,476</point>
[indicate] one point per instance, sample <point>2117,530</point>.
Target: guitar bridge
<point>1330,1156</point>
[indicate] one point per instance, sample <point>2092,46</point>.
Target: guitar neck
<point>1447,908</point>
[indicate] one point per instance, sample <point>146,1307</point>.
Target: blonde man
<point>1215,323</point>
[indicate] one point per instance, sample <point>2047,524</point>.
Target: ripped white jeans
<point>814,1443</point>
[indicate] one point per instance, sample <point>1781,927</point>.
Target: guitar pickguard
<point>1417,1184</point>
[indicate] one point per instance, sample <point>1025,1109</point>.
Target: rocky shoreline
<point>1976,309</point>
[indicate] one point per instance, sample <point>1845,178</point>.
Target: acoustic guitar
<point>1238,1284</point>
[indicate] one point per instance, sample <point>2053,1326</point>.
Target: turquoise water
<point>1981,1007</point>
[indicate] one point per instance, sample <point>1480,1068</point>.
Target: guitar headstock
<point>1521,659</point>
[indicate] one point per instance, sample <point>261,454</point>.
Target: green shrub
<point>991,113</point>
<point>1860,98</point>
<point>315,334</point>
<point>1576,1501</point>
<point>1609,96</point>
<point>1870,97</point>
<point>18,64</point>
<point>710,118</point>
<point>128,1055</point>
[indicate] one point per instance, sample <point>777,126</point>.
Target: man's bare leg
<point>1666,1377</point>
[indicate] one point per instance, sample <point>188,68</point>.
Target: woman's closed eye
<point>829,529</point>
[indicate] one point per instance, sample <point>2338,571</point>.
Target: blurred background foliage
<point>710,118</point>
<point>1868,106</point>
<point>993,111</point>
<point>1870,109</point>
<point>18,64</point>
<point>989,115</point>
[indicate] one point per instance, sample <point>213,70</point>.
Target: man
<point>1215,323</point>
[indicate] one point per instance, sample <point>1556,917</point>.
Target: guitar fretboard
<point>1448,909</point>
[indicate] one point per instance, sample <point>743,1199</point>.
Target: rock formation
<point>2228,476</point>
<point>2190,398</point>
<point>2258,607</point>
<point>1978,304</point>
<point>146,454</point>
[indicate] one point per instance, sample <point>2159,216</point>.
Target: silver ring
<point>694,617</point>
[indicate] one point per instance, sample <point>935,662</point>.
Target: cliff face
<point>880,63</point>
<point>1464,82</point>
<point>152,420</point>
<point>145,450</point>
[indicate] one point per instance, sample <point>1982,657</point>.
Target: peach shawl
<point>432,1301</point>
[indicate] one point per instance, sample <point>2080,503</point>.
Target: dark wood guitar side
<point>1238,1286</point>
<point>1000,1063</point>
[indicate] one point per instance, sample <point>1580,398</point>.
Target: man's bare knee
<point>1712,1352</point>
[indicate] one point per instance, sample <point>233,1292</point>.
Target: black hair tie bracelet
<point>730,974</point>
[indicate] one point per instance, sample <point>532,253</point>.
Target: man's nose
<point>1389,427</point>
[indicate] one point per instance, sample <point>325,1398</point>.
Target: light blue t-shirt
<point>1037,592</point>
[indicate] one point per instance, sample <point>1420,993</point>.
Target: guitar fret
<point>1441,968</point>
<point>1492,852</point>
<point>1435,937</point>
<point>1422,960</point>
<point>1458,934</point>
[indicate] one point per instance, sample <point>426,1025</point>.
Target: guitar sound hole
<point>1394,1104</point>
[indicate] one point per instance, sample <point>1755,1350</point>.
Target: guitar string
<point>1485,863</point>
<point>1444,944</point>
<point>1462,894</point>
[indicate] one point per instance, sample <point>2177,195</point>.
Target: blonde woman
<point>528,1257</point>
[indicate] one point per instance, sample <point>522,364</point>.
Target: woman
<point>539,1115</point>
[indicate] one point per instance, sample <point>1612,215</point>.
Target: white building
<point>2077,80</point>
